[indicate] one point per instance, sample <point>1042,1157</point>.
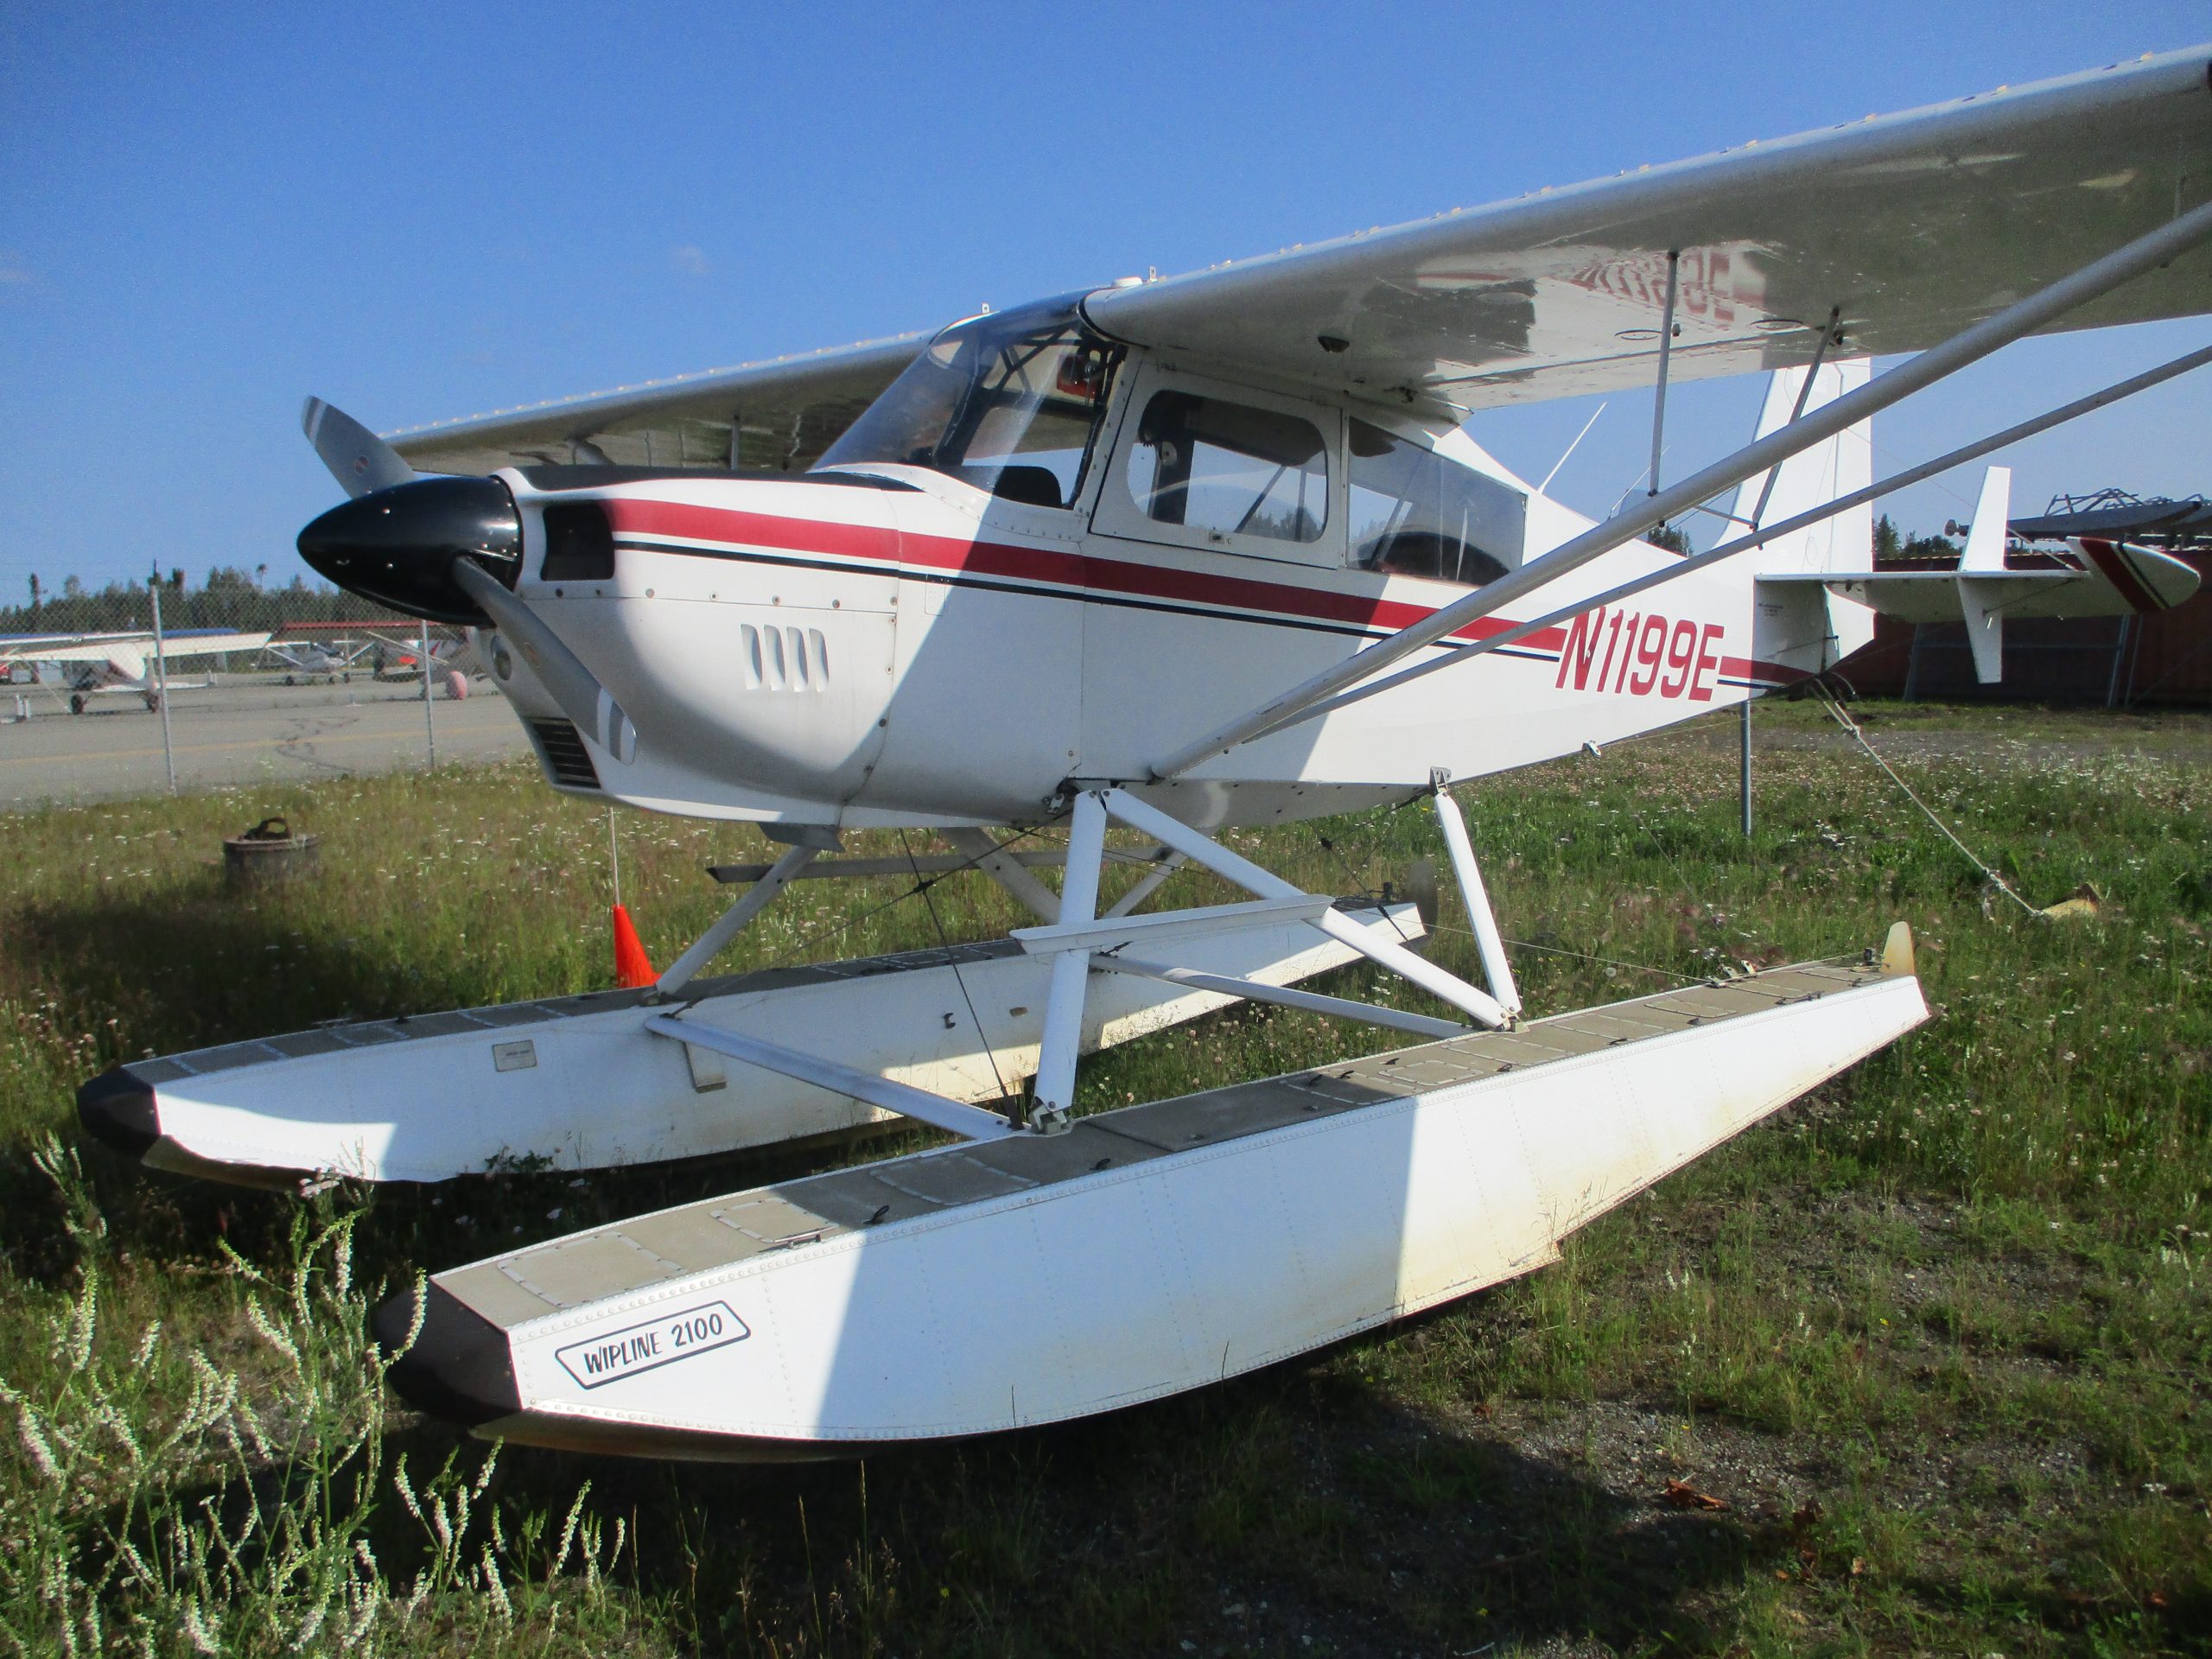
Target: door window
<point>1229,469</point>
<point>1415,513</point>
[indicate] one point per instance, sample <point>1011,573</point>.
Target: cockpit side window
<point>1414,513</point>
<point>1010,404</point>
<point>1209,464</point>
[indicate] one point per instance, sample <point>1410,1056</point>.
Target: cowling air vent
<point>566,759</point>
<point>579,543</point>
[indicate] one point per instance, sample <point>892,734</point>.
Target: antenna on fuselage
<point>1544,488</point>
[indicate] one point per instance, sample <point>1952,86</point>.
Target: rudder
<point>1800,624</point>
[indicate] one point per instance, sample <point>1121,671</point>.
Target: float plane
<point>1184,557</point>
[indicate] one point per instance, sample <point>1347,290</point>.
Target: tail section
<point>1799,625</point>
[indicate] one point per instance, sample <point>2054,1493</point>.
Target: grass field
<point>1932,1342</point>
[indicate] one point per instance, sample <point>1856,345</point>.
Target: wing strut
<point>1666,356</point>
<point>1970,345</point>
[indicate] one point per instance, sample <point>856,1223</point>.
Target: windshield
<point>1009,403</point>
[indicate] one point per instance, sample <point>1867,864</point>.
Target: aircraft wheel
<point>457,685</point>
<point>288,679</point>
<point>153,702</point>
<point>76,702</point>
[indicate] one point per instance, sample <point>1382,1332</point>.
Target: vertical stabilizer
<point>1985,557</point>
<point>1985,554</point>
<point>1800,624</point>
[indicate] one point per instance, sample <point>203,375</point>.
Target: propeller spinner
<point>447,548</point>
<point>401,545</point>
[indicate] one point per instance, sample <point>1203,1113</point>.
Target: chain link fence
<point>139,687</point>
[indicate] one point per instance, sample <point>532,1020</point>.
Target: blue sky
<point>208,212</point>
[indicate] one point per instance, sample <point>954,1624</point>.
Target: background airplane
<point>91,665</point>
<point>384,657</point>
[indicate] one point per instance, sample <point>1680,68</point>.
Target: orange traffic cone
<point>632,967</point>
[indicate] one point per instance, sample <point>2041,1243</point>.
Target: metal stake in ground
<point>430,726</point>
<point>162,679</point>
<point>1747,767</point>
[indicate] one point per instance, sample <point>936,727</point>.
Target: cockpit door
<point>1202,464</point>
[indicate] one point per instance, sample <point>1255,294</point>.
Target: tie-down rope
<point>1828,701</point>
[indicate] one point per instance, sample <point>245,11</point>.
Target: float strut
<point>1208,854</point>
<point>1053,1093</point>
<point>1496,970</point>
<point>1007,870</point>
<point>732,922</point>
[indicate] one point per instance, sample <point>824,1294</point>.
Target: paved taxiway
<point>237,733</point>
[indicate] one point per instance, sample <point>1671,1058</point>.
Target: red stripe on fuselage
<point>1010,561</point>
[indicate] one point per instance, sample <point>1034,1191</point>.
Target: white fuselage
<point>907,648</point>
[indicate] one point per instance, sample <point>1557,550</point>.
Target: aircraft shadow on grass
<point>1329,1511</point>
<point>1294,1486</point>
<point>1398,1533</point>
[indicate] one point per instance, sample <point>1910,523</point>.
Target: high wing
<point>786,412</point>
<point>1912,225</point>
<point>103,647</point>
<point>1908,226</point>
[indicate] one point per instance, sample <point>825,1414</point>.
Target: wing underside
<point>1908,226</point>
<point>1903,228</point>
<point>784,414</point>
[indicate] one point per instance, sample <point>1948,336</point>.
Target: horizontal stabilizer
<point>1933,595</point>
<point>2159,583</point>
<point>2093,578</point>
